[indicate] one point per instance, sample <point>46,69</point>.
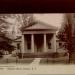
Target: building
<point>38,37</point>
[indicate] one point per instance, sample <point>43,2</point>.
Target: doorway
<point>38,39</point>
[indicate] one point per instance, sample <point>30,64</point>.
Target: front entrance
<point>38,40</point>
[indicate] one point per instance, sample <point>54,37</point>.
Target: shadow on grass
<point>17,61</point>
<point>60,60</point>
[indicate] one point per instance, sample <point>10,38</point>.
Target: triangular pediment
<point>40,26</point>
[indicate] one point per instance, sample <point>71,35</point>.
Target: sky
<point>52,19</point>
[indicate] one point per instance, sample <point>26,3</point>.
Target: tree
<point>66,33</point>
<point>10,25</point>
<point>26,19</point>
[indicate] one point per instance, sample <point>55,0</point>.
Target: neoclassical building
<point>38,37</point>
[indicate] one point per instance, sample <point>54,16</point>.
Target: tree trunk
<point>70,57</point>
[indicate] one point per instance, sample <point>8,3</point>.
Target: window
<point>49,45</point>
<point>18,46</point>
<point>60,44</point>
<point>28,45</point>
<point>28,38</point>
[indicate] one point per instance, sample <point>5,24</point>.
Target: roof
<point>40,25</point>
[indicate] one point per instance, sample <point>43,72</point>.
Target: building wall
<point>51,41</point>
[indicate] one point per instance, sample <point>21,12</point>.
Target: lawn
<point>46,58</point>
<point>25,60</point>
<point>59,60</point>
<point>15,61</point>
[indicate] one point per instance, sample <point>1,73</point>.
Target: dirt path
<point>36,62</point>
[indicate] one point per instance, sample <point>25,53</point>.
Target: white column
<point>32,43</point>
<point>54,42</point>
<point>22,49</point>
<point>45,48</point>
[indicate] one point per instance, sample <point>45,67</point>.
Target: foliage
<point>67,29</point>
<point>64,33</point>
<point>10,25</point>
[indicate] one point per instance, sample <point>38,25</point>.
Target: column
<point>32,43</point>
<point>54,42</point>
<point>22,49</point>
<point>45,49</point>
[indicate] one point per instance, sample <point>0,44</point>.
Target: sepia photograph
<point>43,39</point>
<point>37,43</point>
<point>37,37</point>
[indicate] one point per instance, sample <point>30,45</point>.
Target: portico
<point>39,37</point>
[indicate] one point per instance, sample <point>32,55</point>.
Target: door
<point>39,42</point>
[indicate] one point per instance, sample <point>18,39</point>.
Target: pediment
<point>40,26</point>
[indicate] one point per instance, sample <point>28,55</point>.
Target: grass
<point>14,60</point>
<point>26,60</point>
<point>60,60</point>
<point>47,58</point>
